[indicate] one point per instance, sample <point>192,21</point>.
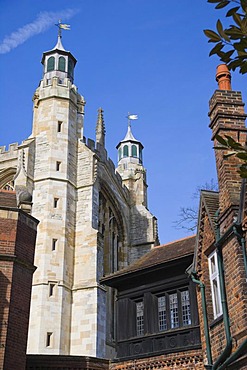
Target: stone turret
<point>131,169</point>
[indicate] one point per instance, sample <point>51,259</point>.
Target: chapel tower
<point>91,224</point>
<point>57,125</point>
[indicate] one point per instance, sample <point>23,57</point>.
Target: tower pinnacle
<point>100,128</point>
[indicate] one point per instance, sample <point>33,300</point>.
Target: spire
<point>59,45</point>
<point>100,128</point>
<point>223,77</point>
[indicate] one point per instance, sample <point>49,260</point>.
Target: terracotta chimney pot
<point>223,77</point>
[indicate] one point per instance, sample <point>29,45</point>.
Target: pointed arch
<point>7,178</point>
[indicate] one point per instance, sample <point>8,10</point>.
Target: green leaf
<point>232,143</point>
<point>221,140</point>
<point>213,36</point>
<point>214,1</point>
<point>243,68</point>
<point>221,30</point>
<point>244,5</point>
<point>227,56</point>
<point>242,155</point>
<point>234,64</point>
<point>231,11</point>
<point>237,19</point>
<point>222,4</point>
<point>216,48</point>
<point>220,147</point>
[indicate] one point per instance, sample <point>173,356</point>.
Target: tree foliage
<point>231,41</point>
<point>232,147</point>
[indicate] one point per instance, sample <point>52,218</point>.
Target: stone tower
<point>91,224</point>
<point>57,126</point>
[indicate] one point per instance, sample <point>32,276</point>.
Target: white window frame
<point>215,284</point>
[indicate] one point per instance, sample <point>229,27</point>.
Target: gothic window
<point>50,64</point>
<point>215,284</point>
<point>125,151</point>
<point>61,64</point>
<point>9,185</point>
<point>134,151</point>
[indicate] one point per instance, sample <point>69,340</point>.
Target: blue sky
<point>140,56</point>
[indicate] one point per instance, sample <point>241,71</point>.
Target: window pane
<point>125,151</point>
<point>134,151</point>
<point>61,64</point>
<point>213,266</point>
<point>173,298</point>
<point>162,313</point>
<point>216,298</point>
<point>186,316</point>
<point>71,68</point>
<point>51,64</point>
<point>139,318</point>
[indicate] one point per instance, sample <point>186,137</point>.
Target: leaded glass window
<point>139,318</point>
<point>162,313</point>
<point>186,315</point>
<point>173,302</point>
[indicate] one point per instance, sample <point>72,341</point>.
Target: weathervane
<point>62,26</point>
<point>131,117</point>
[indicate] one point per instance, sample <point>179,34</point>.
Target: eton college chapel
<point>83,281</point>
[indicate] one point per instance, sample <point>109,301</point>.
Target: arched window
<point>140,154</point>
<point>134,151</point>
<point>119,153</point>
<point>61,64</point>
<point>51,64</point>
<point>71,68</point>
<point>125,151</point>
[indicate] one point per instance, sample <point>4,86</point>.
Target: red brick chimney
<point>227,117</point>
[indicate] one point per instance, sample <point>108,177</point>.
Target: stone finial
<point>100,128</point>
<point>223,77</point>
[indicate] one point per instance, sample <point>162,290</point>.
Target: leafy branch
<point>232,147</point>
<point>231,42</point>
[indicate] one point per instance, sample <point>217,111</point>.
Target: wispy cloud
<point>42,23</point>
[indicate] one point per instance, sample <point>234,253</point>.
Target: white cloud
<point>42,23</point>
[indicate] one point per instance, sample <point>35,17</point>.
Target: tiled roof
<point>211,202</point>
<point>160,255</point>
<point>8,198</point>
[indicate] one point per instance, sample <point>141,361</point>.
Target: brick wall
<point>17,241</point>
<point>182,360</point>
